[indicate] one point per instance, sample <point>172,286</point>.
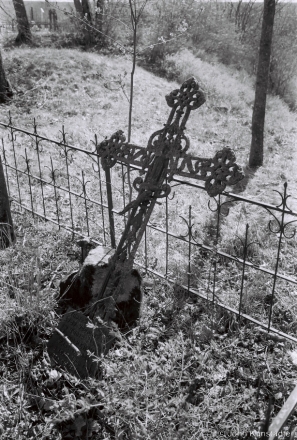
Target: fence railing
<point>59,26</point>
<point>234,252</point>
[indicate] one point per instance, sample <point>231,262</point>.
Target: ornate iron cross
<point>166,155</point>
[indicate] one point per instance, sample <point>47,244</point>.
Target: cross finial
<point>188,95</point>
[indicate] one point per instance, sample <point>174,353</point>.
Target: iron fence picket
<point>100,189</point>
<point>5,164</point>
<point>15,162</point>
<point>55,192</point>
<point>37,141</point>
<point>245,248</point>
<point>110,207</point>
<point>27,160</point>
<point>66,151</point>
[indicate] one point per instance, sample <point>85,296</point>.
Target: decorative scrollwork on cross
<point>188,95</point>
<point>172,144</point>
<point>217,172</point>
<point>116,149</point>
<point>150,187</point>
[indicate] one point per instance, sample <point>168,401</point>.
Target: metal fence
<point>234,252</point>
<point>66,25</point>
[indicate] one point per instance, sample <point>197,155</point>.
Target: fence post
<point>7,236</point>
<point>110,207</point>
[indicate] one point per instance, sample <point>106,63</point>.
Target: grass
<point>173,377</point>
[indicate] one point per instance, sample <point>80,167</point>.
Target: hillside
<point>88,94</point>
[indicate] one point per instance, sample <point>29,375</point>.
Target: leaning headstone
<point>77,338</point>
<point>78,343</point>
<point>81,289</point>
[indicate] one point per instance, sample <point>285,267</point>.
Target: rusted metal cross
<point>166,155</point>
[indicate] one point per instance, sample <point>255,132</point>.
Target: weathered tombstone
<point>73,339</point>
<point>50,15</point>
<point>80,289</point>
<point>55,20</point>
<point>7,236</point>
<point>165,155</point>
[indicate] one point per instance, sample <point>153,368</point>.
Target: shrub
<point>290,95</point>
<point>223,33</point>
<point>166,25</point>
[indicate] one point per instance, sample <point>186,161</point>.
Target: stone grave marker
<point>73,339</point>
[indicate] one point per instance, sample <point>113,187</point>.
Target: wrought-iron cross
<point>166,155</point>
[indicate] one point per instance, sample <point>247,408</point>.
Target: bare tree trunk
<point>5,89</point>
<point>99,16</point>
<point>258,120</point>
<point>78,7</point>
<point>86,10</point>
<point>87,28</point>
<point>24,31</point>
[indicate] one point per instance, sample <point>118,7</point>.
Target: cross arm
<point>171,144</point>
<point>116,149</point>
<point>217,172</point>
